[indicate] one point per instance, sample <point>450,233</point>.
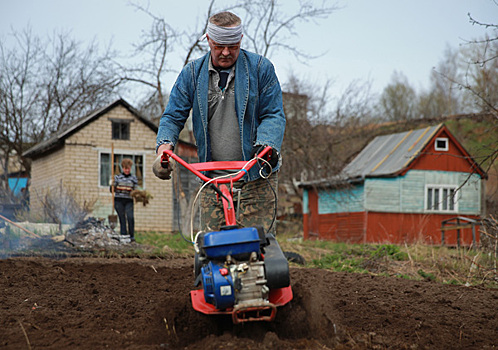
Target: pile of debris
<point>93,233</point>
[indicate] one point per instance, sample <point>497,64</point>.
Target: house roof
<point>390,155</point>
<point>57,140</point>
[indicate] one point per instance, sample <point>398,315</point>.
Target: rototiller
<point>243,271</point>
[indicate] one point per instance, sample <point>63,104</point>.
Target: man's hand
<point>271,156</point>
<point>164,173</point>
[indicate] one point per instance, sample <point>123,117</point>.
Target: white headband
<point>224,35</point>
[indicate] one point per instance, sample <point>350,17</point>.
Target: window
<point>121,129</point>
<point>106,170</point>
<point>441,198</point>
<point>441,144</point>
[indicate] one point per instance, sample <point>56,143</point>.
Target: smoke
<point>85,237</point>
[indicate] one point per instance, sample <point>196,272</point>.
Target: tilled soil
<point>92,303</point>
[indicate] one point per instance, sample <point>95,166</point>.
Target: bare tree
<point>195,45</point>
<point>477,72</point>
<point>354,106</point>
<point>481,77</point>
<point>397,101</point>
<point>320,138</point>
<point>482,84</point>
<point>444,96</point>
<point>75,81</point>
<point>488,54</point>
<point>19,93</point>
<point>154,47</point>
<point>46,85</point>
<point>269,29</point>
<point>467,87</point>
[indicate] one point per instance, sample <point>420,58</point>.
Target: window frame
<point>118,156</point>
<point>119,123</point>
<point>443,201</point>
<point>441,149</point>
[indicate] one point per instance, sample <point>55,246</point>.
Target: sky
<point>363,40</point>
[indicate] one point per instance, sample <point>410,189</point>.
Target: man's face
<point>224,56</point>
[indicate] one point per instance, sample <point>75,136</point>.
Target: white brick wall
<point>49,174</point>
<point>77,166</point>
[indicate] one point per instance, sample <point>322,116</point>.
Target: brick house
<point>400,188</point>
<point>79,159</point>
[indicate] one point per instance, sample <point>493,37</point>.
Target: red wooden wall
<point>374,227</point>
<point>342,227</point>
<point>413,228</point>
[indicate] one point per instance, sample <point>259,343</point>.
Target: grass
<point>436,264</point>
<point>444,265</point>
<point>416,261</point>
<point>174,242</point>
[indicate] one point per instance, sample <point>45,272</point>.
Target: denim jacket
<point>258,104</point>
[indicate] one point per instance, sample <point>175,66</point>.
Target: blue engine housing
<point>239,243</point>
<point>219,244</point>
<point>218,289</point>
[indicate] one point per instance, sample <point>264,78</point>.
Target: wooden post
<point>442,235</point>
<point>458,233</point>
<point>113,219</point>
<point>112,176</point>
<point>474,235</point>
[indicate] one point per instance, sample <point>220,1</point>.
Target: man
<point>236,104</point>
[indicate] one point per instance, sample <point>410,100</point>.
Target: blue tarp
<point>16,184</point>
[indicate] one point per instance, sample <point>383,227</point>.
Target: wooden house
<point>78,159</point>
<point>399,188</point>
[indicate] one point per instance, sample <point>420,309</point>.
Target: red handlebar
<point>196,168</point>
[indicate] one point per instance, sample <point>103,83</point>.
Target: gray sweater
<point>123,185</point>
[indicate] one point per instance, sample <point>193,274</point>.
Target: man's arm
<point>172,121</point>
<point>270,112</point>
<point>177,110</point>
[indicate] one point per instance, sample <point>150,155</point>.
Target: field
<point>138,298</point>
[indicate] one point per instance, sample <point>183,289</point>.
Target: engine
<point>232,283</point>
<point>235,272</point>
<point>238,269</point>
